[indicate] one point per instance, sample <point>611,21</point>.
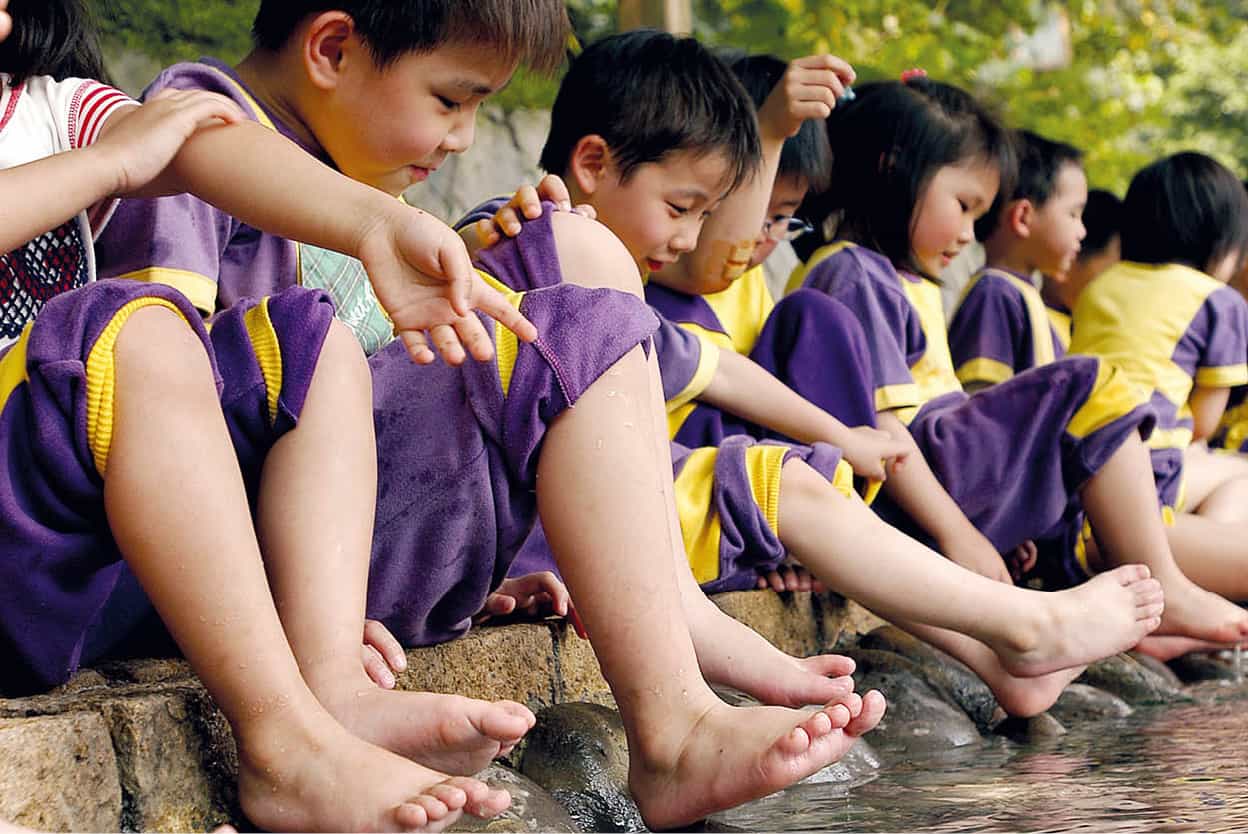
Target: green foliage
<point>1144,77</point>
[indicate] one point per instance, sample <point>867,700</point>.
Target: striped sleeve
<point>90,107</point>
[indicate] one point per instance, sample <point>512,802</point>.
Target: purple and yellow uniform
<point>1232,433</point>
<point>727,497</point>
<point>1001,328</point>
<point>188,244</point>
<point>458,450</point>
<point>66,596</point>
<point>1014,456</point>
<point>1060,321</point>
<point>1169,328</point>
<point>809,341</point>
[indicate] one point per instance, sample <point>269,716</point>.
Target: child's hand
<point>527,205</point>
<point>139,143</point>
<point>383,656</point>
<point>874,453</point>
<point>6,22</point>
<point>421,274</point>
<point>809,90</point>
<point>789,576</point>
<point>534,595</point>
<point>1022,560</point>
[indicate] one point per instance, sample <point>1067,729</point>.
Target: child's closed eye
<point>449,104</point>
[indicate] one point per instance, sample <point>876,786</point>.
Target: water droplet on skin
<point>610,393</point>
<point>203,620</point>
<point>628,425</point>
<point>598,443</point>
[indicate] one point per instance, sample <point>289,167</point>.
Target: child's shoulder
<point>213,76</point>
<point>847,263</point>
<point>56,115</point>
<point>992,282</point>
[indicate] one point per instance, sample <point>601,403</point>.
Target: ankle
<point>658,745</point>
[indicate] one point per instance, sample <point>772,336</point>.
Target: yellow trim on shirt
<point>1113,396</point>
<point>700,526</point>
<point>199,289</point>
<point>1060,322</point>
<point>903,395</point>
<point>268,351</point>
<point>763,465</point>
<point>494,282</point>
<point>682,404</point>
<point>984,369</point>
<point>13,366</point>
<point>1176,438</point>
<point>743,308</point>
<point>1235,421</point>
<point>843,478</point>
<point>1224,376</point>
<point>798,276</point>
<point>507,345</point>
<point>261,116</point>
<point>101,370</point>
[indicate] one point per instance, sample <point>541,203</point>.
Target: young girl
<point>1165,316</point>
<point>915,164</point>
<point>136,447</point>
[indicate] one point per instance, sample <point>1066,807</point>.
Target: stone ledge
<point>139,745</point>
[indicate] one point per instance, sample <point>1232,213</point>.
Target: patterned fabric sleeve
<point>990,334</point>
<point>1224,321</point>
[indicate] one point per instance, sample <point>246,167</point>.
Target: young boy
<point>742,505</point>
<point>1101,249</point>
<point>385,91</point>
<point>1001,328</point>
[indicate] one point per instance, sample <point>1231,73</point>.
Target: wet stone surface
<point>1133,682</point>
<point>918,717</point>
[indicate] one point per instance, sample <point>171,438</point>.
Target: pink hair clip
<point>913,73</point>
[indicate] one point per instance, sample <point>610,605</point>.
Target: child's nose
<point>461,136</point>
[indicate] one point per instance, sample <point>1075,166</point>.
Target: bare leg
<point>1121,503</point>
<point>1031,633</point>
<point>1216,484</point>
<point>195,552</point>
<point>604,487</point>
<point>326,470</point>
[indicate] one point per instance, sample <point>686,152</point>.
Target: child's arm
<point>745,389</point>
<point>1208,405</point>
<point>132,155</point>
<point>809,90</point>
<point>915,489</point>
<point>417,265</point>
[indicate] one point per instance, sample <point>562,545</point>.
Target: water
<point>1178,768</point>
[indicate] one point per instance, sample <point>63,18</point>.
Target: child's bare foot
<point>319,777</point>
<point>731,653</point>
<point>732,755</point>
<point>1166,648</point>
<point>1025,697</point>
<point>1191,611</point>
<point>449,733</point>
<point>1102,617</point>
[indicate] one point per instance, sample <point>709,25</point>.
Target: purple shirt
<point>182,241</point>
<point>1001,329</point>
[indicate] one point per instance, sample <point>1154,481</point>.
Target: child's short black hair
<point>805,155</point>
<point>1040,161</point>
<point>1102,217</point>
<point>533,32</point>
<point>1188,209</point>
<point>52,37</point>
<point>649,94</point>
<point>888,143</point>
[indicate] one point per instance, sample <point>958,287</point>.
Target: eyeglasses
<point>786,228</point>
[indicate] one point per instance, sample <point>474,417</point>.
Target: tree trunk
<point>674,16</point>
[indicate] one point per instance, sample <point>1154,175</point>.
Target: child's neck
<point>1057,294</point>
<point>1005,254</point>
<point>270,79</point>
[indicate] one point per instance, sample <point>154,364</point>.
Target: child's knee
<point>591,256</point>
<point>160,341</point>
<point>342,356</point>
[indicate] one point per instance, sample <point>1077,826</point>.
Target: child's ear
<point>324,45</point>
<point>1018,217</point>
<point>590,163</point>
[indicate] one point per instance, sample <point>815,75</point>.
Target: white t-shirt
<point>38,118</point>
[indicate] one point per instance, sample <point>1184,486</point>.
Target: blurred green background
<point>1125,80</point>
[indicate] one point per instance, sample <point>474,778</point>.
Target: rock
<point>579,753</point>
<point>949,676</point>
<point>1037,728</point>
<point>785,620</point>
<point>532,809</point>
<point>161,761</point>
<point>840,622</point>
<point>580,677</point>
<point>1080,702</point>
<point>515,662</point>
<point>1203,666</point>
<point>159,670</point>
<point>1132,681</point>
<point>1158,668</point>
<point>918,718</point>
<point>59,773</point>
